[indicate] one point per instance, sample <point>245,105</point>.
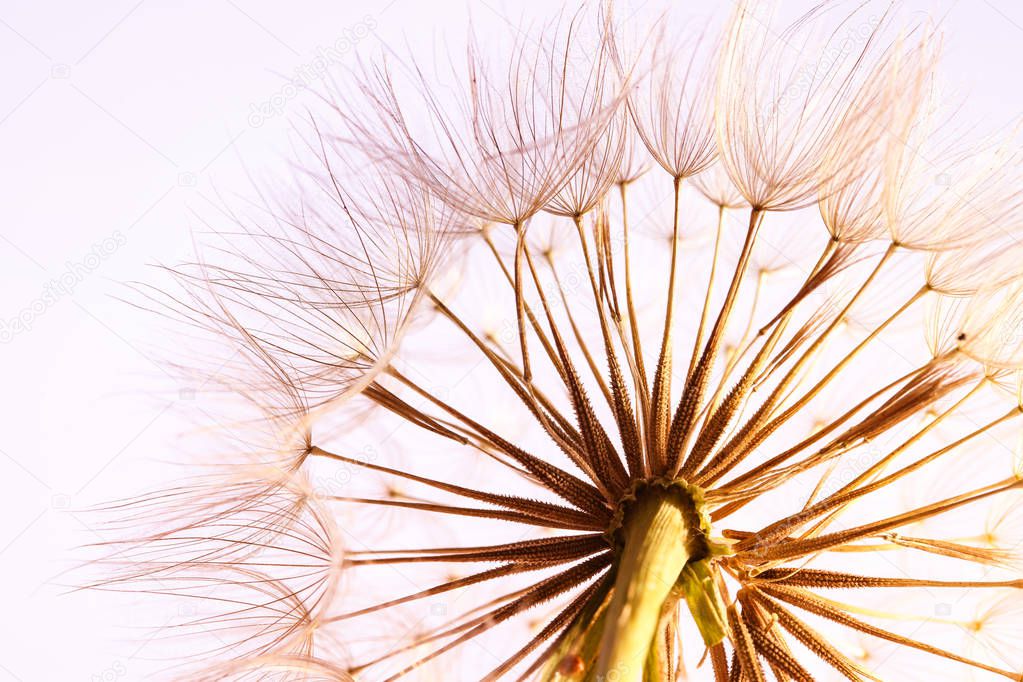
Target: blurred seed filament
<point>732,347</point>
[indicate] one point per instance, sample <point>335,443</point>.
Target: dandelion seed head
<point>610,358</point>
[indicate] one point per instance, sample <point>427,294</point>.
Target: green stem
<point>656,538</point>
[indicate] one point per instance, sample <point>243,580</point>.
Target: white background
<point>116,120</point>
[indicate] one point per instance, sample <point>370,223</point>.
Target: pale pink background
<point>116,118</point>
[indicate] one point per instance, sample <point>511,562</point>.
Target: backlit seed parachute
<point>801,333</point>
